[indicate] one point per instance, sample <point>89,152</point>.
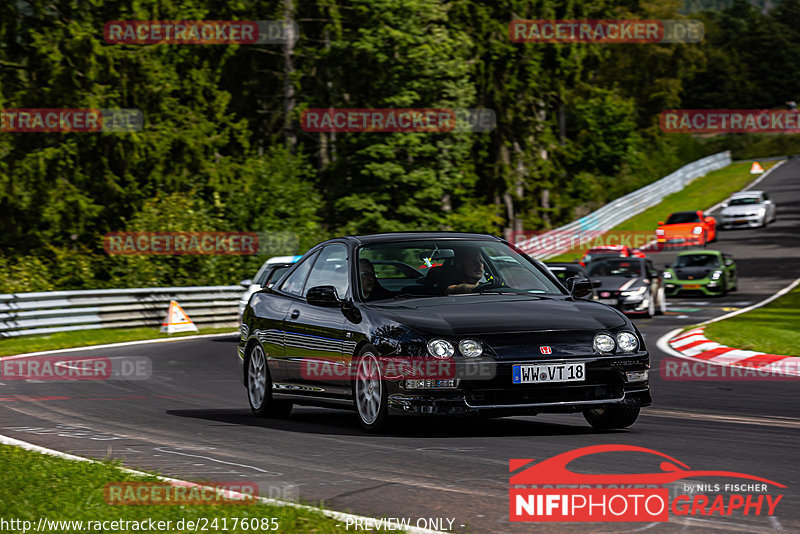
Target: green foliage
<point>222,149</point>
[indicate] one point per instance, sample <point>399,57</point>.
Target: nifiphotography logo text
<point>549,491</point>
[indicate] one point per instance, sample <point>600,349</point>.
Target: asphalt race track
<point>191,420</point>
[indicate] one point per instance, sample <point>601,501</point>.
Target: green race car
<point>710,272</point>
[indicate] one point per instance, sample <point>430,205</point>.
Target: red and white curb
<point>693,345</point>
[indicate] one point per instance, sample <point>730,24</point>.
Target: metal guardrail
<point>60,311</point>
<point>552,242</point>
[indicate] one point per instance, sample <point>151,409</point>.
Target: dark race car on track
<point>564,271</point>
<point>610,251</point>
<point>631,285</point>
<point>489,331</point>
<point>710,272</point>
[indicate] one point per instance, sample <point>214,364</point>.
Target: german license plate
<point>612,302</point>
<point>548,373</point>
<point>737,221</point>
<point>691,286</point>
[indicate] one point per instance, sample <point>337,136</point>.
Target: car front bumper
<point>706,286</point>
<point>749,221</point>
<point>605,385</point>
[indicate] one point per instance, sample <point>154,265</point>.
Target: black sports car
<point>480,328</point>
<point>632,285</point>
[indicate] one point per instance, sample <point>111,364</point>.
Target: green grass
<point>700,194</point>
<point>36,485</point>
<point>83,338</point>
<point>774,328</point>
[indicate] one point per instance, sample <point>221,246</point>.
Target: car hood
<point>682,229</point>
<point>617,283</point>
<point>732,211</point>
<point>495,314</point>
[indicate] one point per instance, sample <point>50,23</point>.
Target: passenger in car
<point>371,289</point>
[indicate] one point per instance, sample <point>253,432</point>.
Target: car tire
<point>611,417</point>
<point>370,396</point>
<point>724,286</point>
<point>662,302</point>
<point>259,387</point>
<point>651,307</point>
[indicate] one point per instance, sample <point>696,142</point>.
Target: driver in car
<point>460,277</point>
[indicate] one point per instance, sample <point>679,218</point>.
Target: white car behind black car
<point>748,209</point>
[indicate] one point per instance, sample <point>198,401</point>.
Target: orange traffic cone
<point>756,168</point>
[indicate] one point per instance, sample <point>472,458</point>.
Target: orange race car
<point>685,229</point>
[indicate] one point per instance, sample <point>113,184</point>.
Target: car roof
<point>698,252</point>
<point>747,194</point>
<point>283,259</point>
<point>572,264</point>
<point>608,247</point>
<point>396,237</point>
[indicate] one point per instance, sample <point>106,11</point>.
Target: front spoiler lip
<point>458,404</point>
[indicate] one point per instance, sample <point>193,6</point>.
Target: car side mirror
<point>246,283</point>
<point>710,220</point>
<point>724,204</point>
<point>767,202</point>
<point>578,286</point>
<point>661,223</point>
<point>728,263</point>
<point>324,296</point>
<point>654,274</point>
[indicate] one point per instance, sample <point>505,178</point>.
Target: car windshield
<point>434,268</point>
<point>683,217</point>
<point>615,267</point>
<point>697,260</point>
<point>744,201</point>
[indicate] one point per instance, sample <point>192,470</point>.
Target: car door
<point>279,304</point>
<point>314,334</point>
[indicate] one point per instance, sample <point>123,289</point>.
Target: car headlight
<point>603,343</point>
<point>627,342</point>
<point>715,275</point>
<point>634,292</point>
<point>697,230</point>
<point>470,348</point>
<point>441,348</point>
<point>667,275</point>
<point>659,231</point>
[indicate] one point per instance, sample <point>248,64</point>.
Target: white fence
<point>60,311</point>
<point>560,240</point>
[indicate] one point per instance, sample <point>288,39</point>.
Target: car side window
<point>295,282</point>
<point>330,269</point>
